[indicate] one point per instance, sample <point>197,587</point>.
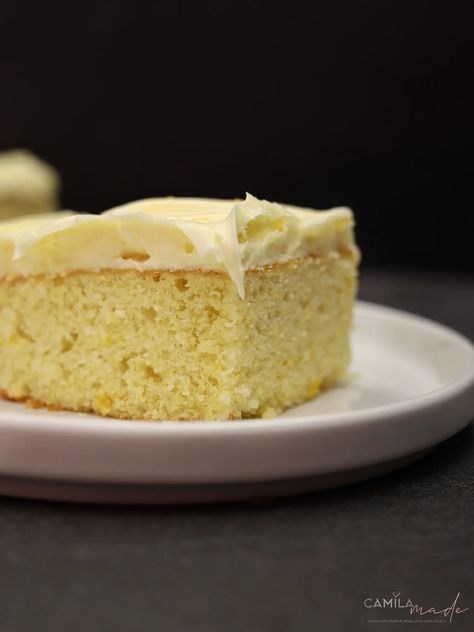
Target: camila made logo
<point>384,607</point>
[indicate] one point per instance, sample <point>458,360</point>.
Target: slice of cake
<point>27,184</point>
<point>176,308</point>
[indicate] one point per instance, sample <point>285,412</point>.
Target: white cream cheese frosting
<point>230,236</point>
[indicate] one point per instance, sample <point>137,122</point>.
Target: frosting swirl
<point>231,236</point>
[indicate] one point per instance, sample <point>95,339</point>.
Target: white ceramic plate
<point>413,387</point>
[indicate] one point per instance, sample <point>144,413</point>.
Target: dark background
<point>365,103</point>
<point>369,104</point>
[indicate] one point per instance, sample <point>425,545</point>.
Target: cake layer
<point>178,344</point>
<point>173,234</point>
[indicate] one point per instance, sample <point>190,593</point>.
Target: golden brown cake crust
<point>345,252</point>
<point>35,404</point>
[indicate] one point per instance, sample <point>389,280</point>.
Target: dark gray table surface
<point>306,563</point>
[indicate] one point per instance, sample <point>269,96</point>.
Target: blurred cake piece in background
<point>27,184</point>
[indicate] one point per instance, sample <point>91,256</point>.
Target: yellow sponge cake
<point>176,308</point>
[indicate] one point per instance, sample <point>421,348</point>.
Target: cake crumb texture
<point>179,345</point>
